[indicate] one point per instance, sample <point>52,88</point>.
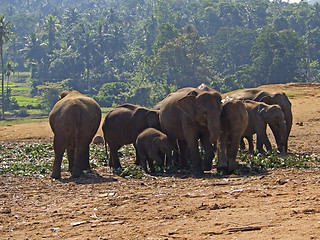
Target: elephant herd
<point>177,124</point>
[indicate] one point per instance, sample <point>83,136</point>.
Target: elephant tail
<point>77,118</point>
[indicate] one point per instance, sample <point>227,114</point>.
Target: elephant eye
<point>204,114</point>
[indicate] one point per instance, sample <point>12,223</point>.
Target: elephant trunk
<point>283,138</point>
<point>214,126</point>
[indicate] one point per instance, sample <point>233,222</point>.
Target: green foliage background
<point>138,51</point>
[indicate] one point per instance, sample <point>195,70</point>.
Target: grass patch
<point>292,95</point>
<point>22,120</point>
<point>37,159</point>
<point>257,162</point>
<point>26,160</point>
<point>132,171</point>
<point>27,101</point>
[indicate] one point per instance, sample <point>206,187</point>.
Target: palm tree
<point>34,52</point>
<point>8,70</point>
<point>51,26</point>
<point>5,32</point>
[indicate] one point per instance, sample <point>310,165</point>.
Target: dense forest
<point>140,50</point>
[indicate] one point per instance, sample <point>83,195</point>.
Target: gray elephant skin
<point>261,114</point>
<point>188,115</point>
<point>123,124</point>
<point>268,97</point>
<point>153,145</point>
<point>74,120</point>
<point>234,121</point>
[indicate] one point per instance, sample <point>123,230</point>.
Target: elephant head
<point>203,107</point>
<point>152,118</point>
<point>274,116</point>
<point>163,144</point>
<point>63,94</point>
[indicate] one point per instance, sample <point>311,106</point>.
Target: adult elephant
<point>123,124</point>
<point>261,114</point>
<point>188,115</point>
<point>268,97</point>
<point>234,121</point>
<point>74,120</point>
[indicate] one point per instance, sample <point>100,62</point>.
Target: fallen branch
<point>243,229</point>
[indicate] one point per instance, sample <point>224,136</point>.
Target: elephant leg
<point>183,154</point>
<point>114,158</point>
<point>209,153</point>
<point>263,140</point>
<point>250,142</point>
<point>222,158</point>
<point>143,160</point>
<point>158,158</point>
<point>175,155</point>
<point>242,144</point>
<point>167,159</point>
<point>58,154</point>
<point>137,162</point>
<point>78,161</point>
<point>232,152</point>
<point>70,153</point>
<point>195,157</point>
<point>85,160</point>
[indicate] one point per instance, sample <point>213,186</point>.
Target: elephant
<point>151,145</point>
<point>123,124</point>
<point>188,115</point>
<point>267,97</point>
<point>234,121</point>
<point>74,120</point>
<point>261,114</point>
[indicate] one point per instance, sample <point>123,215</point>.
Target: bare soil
<point>278,204</point>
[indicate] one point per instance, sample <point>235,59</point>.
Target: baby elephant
<point>151,145</point>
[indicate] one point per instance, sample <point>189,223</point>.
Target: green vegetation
<point>36,160</point>
<point>139,51</point>
<point>26,160</point>
<point>257,162</point>
<point>22,120</point>
<point>26,101</point>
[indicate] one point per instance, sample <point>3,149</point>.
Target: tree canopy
<point>140,50</point>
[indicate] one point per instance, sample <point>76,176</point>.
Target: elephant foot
<point>207,166</point>
<point>223,169</point>
<point>76,173</point>
<point>232,166</point>
<point>197,172</point>
<point>56,175</point>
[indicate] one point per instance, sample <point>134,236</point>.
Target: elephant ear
<point>63,94</point>
<point>262,110</point>
<point>152,118</point>
<point>187,105</point>
<point>156,141</point>
<point>267,99</point>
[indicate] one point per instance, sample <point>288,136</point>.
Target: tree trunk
<point>2,82</point>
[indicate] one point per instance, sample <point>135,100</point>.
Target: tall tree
<point>35,53</point>
<point>51,27</point>
<point>185,61</point>
<point>5,33</point>
<point>276,56</point>
<point>9,69</point>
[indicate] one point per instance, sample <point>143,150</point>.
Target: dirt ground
<point>279,204</point>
